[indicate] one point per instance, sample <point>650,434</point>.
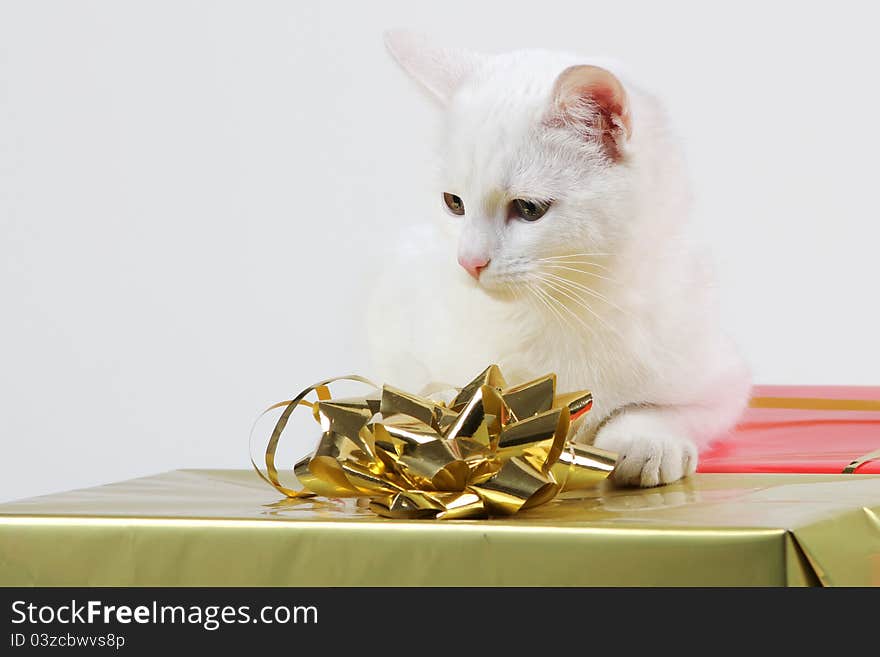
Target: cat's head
<point>536,160</point>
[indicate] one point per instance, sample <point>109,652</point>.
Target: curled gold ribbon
<point>824,404</point>
<point>493,450</point>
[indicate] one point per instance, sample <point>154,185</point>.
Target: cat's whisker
<point>549,303</point>
<point>589,263</point>
<point>546,301</point>
<point>542,301</point>
<point>577,316</point>
<point>578,300</point>
<point>564,315</point>
<point>584,288</point>
<point>570,282</point>
<point>556,305</point>
<point>508,287</point>
<point>518,294</point>
<point>581,271</point>
<point>577,255</point>
<point>568,311</point>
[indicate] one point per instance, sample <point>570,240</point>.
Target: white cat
<point>565,201</point>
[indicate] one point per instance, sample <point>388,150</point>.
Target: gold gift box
<point>227,528</point>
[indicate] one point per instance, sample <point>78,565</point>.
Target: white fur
<point>647,342</point>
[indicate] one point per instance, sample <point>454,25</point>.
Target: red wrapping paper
<point>799,440</point>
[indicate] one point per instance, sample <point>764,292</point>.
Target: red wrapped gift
<point>811,429</point>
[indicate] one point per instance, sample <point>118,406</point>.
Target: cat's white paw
<point>648,455</point>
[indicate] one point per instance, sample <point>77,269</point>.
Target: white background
<point>191,192</point>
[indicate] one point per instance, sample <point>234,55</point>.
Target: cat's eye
<point>529,210</point>
<point>454,203</point>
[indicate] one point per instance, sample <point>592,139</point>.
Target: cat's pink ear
<point>593,101</point>
<point>439,70</point>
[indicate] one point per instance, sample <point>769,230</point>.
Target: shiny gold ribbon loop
<point>323,393</point>
<point>492,451</point>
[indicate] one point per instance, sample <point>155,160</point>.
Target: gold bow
<point>493,450</point>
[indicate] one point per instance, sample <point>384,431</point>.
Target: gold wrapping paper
<point>492,451</point>
<point>228,528</point>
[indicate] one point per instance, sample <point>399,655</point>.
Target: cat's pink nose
<point>473,265</point>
